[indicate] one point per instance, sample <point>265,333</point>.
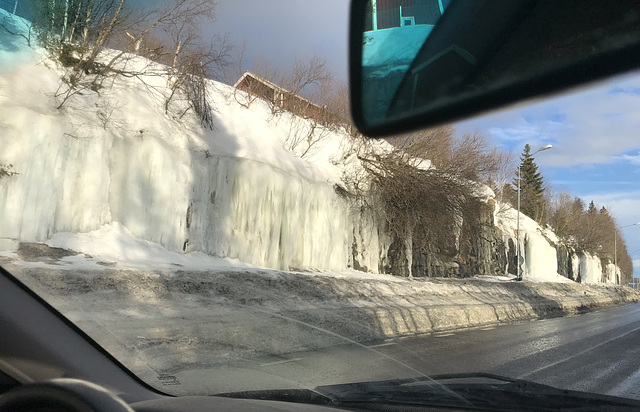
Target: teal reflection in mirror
<point>395,30</point>
<point>430,61</point>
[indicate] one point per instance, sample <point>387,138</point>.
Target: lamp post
<point>374,5</point>
<point>519,277</point>
<point>615,248</point>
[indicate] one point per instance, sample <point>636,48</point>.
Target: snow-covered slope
<point>540,258</point>
<point>538,246</point>
<point>117,157</point>
<point>119,167</point>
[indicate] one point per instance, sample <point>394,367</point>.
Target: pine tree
<point>529,172</point>
<point>531,202</point>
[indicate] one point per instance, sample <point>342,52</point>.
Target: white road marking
<point>282,361</point>
<point>442,336</point>
<point>578,353</point>
<point>382,344</point>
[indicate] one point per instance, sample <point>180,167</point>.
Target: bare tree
<point>303,93</point>
<point>338,104</point>
<point>311,123</point>
<point>304,80</point>
<point>95,40</point>
<point>305,135</point>
<point>244,98</point>
<point>193,66</point>
<point>588,229</point>
<point>425,188</point>
<point>499,181</point>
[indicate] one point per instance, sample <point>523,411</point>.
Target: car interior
<point>47,363</point>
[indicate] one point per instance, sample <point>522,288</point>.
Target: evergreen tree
<point>577,208</point>
<point>531,202</point>
<point>531,178</point>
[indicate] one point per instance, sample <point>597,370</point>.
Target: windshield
<point>184,183</point>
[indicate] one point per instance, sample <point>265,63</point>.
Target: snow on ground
<point>394,48</point>
<point>495,279</point>
<point>114,244</point>
<point>120,158</point>
<point>537,245</point>
<point>175,321</point>
<point>117,168</point>
<point>114,247</point>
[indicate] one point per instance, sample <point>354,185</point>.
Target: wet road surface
<point>594,352</point>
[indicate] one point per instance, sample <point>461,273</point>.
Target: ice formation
<point>233,192</point>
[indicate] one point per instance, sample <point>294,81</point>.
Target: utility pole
<point>375,14</point>
<point>615,249</point>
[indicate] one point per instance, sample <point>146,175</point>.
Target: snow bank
<point>536,245</point>
<point>590,269</point>
<point>219,317</point>
<point>610,274</point>
<point>233,192</point>
<point>393,49</point>
<point>113,245</point>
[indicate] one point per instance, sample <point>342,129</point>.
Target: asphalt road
<point>595,352</point>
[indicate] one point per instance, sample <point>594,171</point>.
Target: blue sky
<point>595,130</point>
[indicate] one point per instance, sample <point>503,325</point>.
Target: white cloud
<point>596,127</point>
<point>630,158</point>
<point>624,206</point>
<point>532,133</point>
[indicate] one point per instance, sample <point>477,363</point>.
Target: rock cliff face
<point>487,246</point>
<point>488,252</point>
<point>565,265</point>
<point>585,268</point>
<point>481,248</point>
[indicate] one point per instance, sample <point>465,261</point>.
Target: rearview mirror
<point>419,63</point>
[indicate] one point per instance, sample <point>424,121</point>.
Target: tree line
<point>581,227</point>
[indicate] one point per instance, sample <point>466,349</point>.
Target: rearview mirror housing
<point>420,63</point>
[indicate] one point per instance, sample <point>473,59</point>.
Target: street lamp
<point>615,248</point>
<point>519,277</point>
